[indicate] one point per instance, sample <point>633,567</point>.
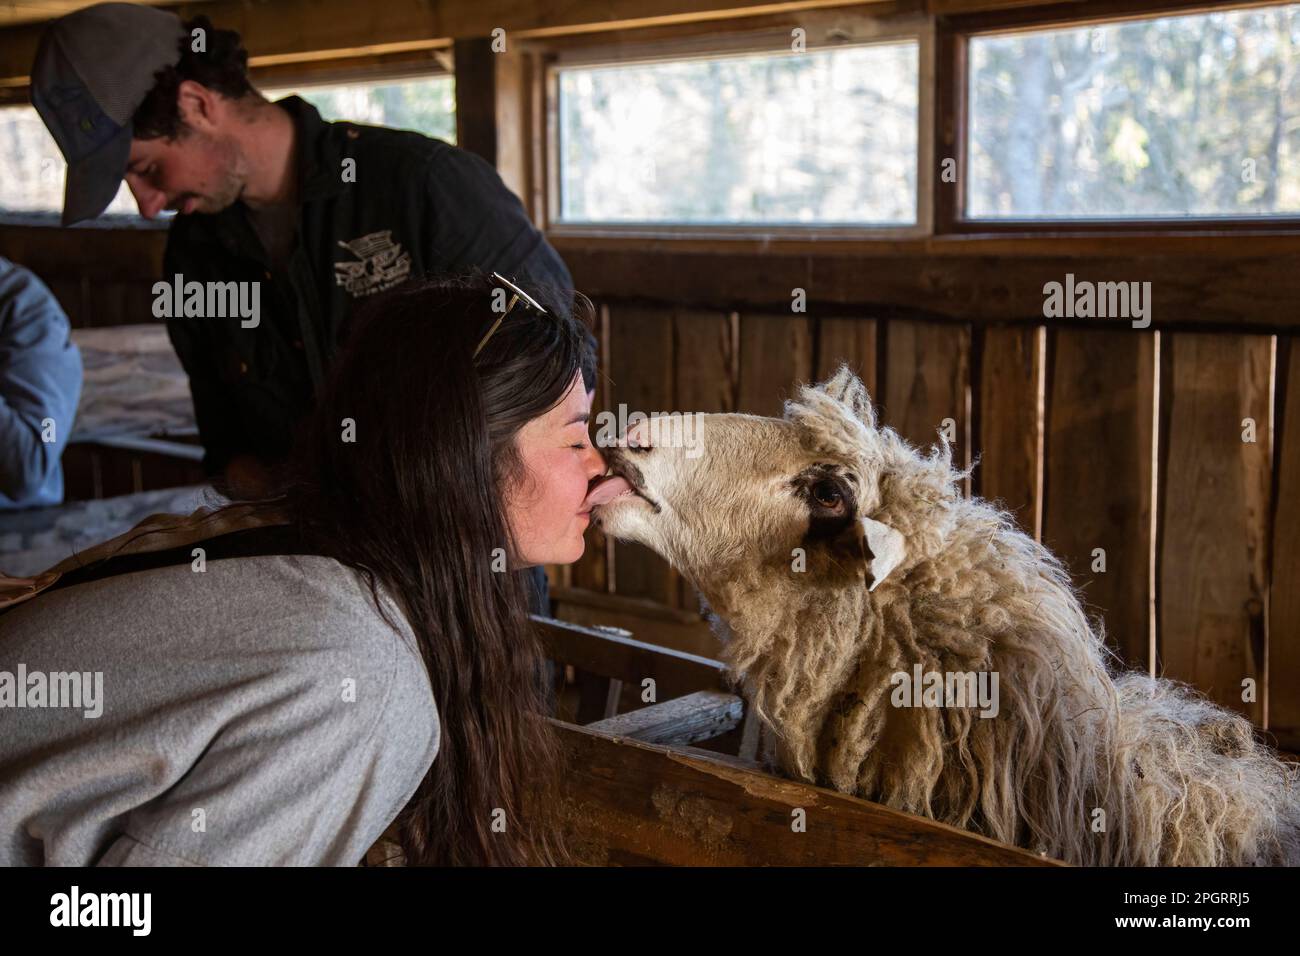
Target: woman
<point>285,709</point>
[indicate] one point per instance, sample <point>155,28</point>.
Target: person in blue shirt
<point>40,383</point>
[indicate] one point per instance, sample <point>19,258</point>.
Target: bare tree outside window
<point>1173,117</point>
<point>814,138</point>
<point>424,104</point>
<point>35,170</point>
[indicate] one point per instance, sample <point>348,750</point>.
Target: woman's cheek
<point>575,483</point>
<point>569,488</point>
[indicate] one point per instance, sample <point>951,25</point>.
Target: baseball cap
<point>93,69</point>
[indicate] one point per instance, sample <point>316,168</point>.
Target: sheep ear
<point>885,546</point>
<point>847,389</point>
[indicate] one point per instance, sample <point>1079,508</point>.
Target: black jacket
<point>418,207</point>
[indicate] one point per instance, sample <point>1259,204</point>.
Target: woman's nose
<point>596,465</point>
<point>637,435</point>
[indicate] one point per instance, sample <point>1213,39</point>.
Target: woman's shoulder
<point>333,606</point>
<point>272,682</point>
<point>317,616</point>
<point>273,615</point>
<point>318,593</point>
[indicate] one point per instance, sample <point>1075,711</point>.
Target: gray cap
<point>93,69</point>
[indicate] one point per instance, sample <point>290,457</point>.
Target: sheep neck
<point>793,648</point>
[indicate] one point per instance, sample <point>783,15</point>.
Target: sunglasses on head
<point>517,297</point>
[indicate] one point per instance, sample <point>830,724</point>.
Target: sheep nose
<point>637,435</point>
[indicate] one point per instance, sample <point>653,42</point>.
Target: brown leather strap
<point>160,532</point>
<point>243,543</point>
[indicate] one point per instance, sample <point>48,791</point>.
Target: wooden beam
<point>618,605</point>
<point>693,637</point>
<point>513,118</point>
<point>684,720</point>
<point>950,78</point>
<point>476,126</point>
<point>345,28</point>
<point>1014,14</point>
<point>1207,283</point>
<point>628,802</point>
<point>631,661</point>
<point>1283,661</point>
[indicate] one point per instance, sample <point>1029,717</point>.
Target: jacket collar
<point>320,154</point>
<point>320,150</point>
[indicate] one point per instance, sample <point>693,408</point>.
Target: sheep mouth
<point>623,481</point>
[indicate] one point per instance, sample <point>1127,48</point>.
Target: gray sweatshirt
<point>259,712</point>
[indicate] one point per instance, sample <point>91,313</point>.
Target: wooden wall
<point>1099,439</point>
<point>1093,435</point>
<point>101,276</point>
<point>1125,451</point>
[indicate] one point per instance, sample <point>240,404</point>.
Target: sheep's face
<point>725,496</point>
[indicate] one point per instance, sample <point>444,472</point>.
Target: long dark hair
<point>416,503</point>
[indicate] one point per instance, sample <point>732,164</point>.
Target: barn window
<point>1161,118</point>
<point>815,138</point>
<point>34,169</point>
<point>425,104</point>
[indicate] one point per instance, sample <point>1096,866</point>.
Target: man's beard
<point>232,171</point>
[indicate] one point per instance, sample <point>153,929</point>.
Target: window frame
<point>955,34</point>
<point>422,61</point>
<point>845,30</point>
<point>943,29</point>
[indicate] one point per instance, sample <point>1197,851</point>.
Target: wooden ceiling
<point>36,11</point>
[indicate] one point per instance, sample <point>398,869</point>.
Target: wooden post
<point>493,101</point>
<point>476,125</point>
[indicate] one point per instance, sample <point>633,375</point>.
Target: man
<point>305,218</point>
<point>40,383</point>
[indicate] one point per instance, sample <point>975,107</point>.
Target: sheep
<point>842,564</point>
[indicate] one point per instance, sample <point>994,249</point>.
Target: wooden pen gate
<point>643,787</point>
<point>1162,465</point>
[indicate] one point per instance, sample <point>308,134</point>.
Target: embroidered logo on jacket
<point>380,264</point>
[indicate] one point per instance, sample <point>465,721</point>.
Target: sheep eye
<point>827,494</point>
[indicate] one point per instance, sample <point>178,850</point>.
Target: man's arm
<point>40,379</point>
<point>192,338</point>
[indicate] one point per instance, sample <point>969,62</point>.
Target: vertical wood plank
<point>512,104</point>
<point>705,380</point>
<point>538,137</point>
<point>704,364</point>
<point>641,380</point>
<point>927,380</point>
<point>1100,456</point>
<point>1011,430</point>
<point>591,571</point>
<point>775,355</point>
<point>1284,596</point>
<point>950,79</point>
<point>851,342</point>
<point>1216,492</point>
<point>476,119</point>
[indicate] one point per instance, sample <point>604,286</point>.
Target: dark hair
<point>222,67</point>
<point>416,504</point>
